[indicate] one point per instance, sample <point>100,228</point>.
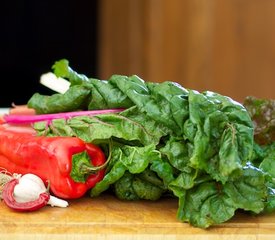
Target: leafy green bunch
<point>168,141</point>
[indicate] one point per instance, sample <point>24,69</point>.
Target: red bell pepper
<point>51,158</point>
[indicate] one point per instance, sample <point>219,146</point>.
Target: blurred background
<point>34,34</point>
<point>224,46</point>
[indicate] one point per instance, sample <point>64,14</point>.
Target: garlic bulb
<point>30,187</point>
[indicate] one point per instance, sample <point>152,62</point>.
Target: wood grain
<point>224,46</point>
<point>106,217</point>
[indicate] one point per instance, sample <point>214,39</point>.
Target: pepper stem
<point>82,167</point>
<point>85,168</point>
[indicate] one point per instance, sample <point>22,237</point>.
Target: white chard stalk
<point>57,84</point>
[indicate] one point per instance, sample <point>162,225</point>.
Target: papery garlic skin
<point>30,187</point>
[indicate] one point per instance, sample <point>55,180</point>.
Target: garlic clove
<point>57,202</point>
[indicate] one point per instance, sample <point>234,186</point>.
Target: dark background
<point>34,34</point>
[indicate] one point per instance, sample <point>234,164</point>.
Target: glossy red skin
<point>10,201</point>
<point>50,158</point>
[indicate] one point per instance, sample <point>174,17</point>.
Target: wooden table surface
<point>106,217</point>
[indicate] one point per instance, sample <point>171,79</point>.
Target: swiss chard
<point>198,145</point>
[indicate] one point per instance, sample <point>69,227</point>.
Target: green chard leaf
<point>62,69</point>
<point>126,126</point>
<point>132,187</point>
<point>168,99</point>
<point>137,159</point>
<point>105,95</point>
<point>211,202</point>
<point>116,172</point>
<point>124,189</point>
<point>75,98</point>
<point>270,202</point>
<point>223,141</point>
<point>124,157</point>
<point>268,161</point>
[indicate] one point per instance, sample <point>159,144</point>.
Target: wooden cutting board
<point>106,217</point>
